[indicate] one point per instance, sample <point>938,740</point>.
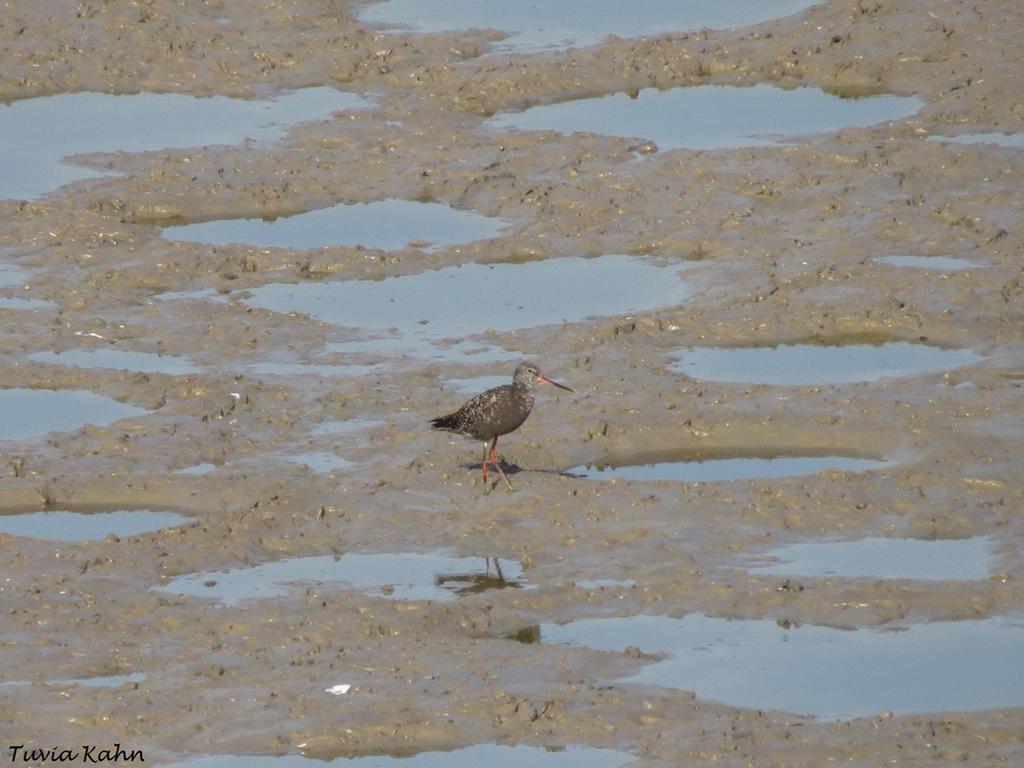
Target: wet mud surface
<point>777,245</point>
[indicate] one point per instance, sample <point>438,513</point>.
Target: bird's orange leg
<point>497,466</point>
<point>485,463</point>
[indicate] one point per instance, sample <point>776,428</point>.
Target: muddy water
<point>615,256</point>
<point>885,559</point>
<point>942,263</point>
<point>820,671</point>
<point>42,132</point>
<point>535,27</point>
<point>60,525</point>
<point>710,116</point>
<point>789,364</point>
<point>402,576</point>
<point>117,358</point>
<point>693,470</point>
<point>999,139</point>
<point>104,681</point>
<point>36,412</point>
<point>387,224</point>
<point>457,301</point>
<point>491,755</point>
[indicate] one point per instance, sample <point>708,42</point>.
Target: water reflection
<point>402,576</point>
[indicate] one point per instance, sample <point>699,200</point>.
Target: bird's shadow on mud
<point>514,469</point>
<point>509,469</point>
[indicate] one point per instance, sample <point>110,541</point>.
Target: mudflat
<point>289,423</point>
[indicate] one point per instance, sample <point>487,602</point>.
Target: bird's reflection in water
<point>528,635</point>
<point>475,582</point>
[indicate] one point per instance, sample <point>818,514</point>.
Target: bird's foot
<point>497,466</point>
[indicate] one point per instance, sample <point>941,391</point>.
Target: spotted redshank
<point>497,412</point>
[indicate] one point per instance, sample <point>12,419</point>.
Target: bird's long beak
<point>546,380</point>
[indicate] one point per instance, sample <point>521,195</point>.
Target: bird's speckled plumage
<point>497,411</point>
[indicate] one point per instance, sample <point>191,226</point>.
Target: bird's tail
<point>443,422</point>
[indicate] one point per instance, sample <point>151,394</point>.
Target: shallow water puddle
<point>815,670</point>
<point>489,755</point>
<point>66,526</point>
<point>34,412</point>
<point>458,351</point>
<point>877,558</point>
<point>940,263</point>
<point>605,583</point>
<point>321,370</point>
<point>201,294</point>
<point>147,362</point>
<point>320,462</point>
<point>1002,139</point>
<point>559,23</point>
<point>406,576</point>
<point>12,275</point>
<point>27,305</point>
<point>691,470</point>
<point>457,301</point>
<point>106,681</point>
<point>475,384</point>
<point>818,364</point>
<point>39,132</point>
<point>377,356</point>
<point>386,224</point>
<point>197,469</point>
<point>344,426</point>
<point>711,116</point>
